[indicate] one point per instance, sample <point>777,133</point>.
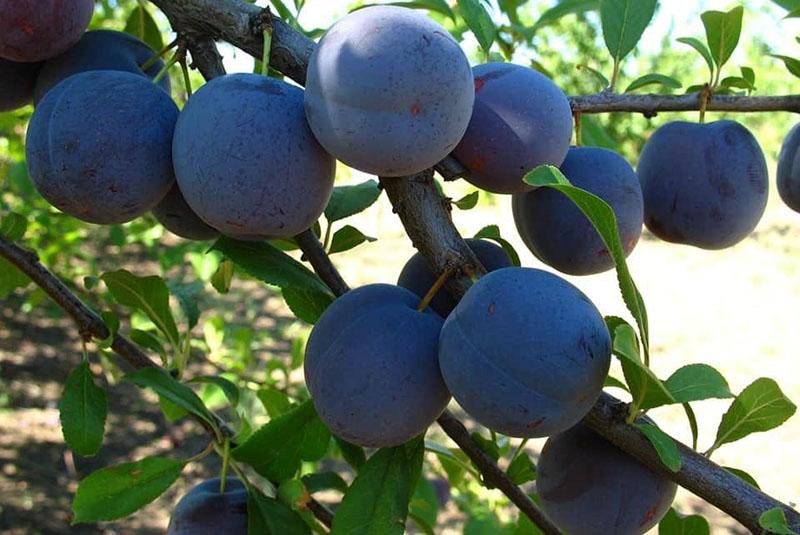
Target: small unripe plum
<point>418,277</point>
<point>16,83</point>
<point>246,161</point>
<point>98,146</point>
<point>589,486</point>
<point>388,91</point>
<point>99,50</point>
<point>525,352</point>
<point>520,120</point>
<point>371,366</point>
<point>559,234</point>
<point>35,30</point>
<point>206,511</point>
<point>178,218</point>
<point>789,170</point>
<point>703,184</point>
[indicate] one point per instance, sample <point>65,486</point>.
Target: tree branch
<point>650,105</point>
<point>319,260</point>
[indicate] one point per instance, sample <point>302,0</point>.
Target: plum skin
<point>371,366</point>
<point>98,146</point>
<point>204,511</point>
<point>703,184</point>
<point>559,234</point>
<point>99,50</point>
<point>520,120</point>
<point>388,91</point>
<point>246,161</point>
<point>588,486</point>
<point>17,81</point>
<point>525,352</point>
<point>35,30</point>
<point>789,170</point>
<point>418,277</point>
<point>177,217</point>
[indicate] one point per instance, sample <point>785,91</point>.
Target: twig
<point>319,260</point>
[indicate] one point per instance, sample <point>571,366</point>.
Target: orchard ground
<point>735,309</point>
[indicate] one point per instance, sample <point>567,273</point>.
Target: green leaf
<point>613,382</point>
<point>307,304</point>
<point>350,200</point>
<point>142,25</point>
<point>324,481</point>
<point>760,407</point>
<point>722,32</point>
<point>735,82</point>
<point>347,238</point>
<point>624,22</point>
<point>83,409</point>
<point>653,79</point>
<point>749,75</point>
<point>269,516</point>
<point>792,64</point>
<point>147,294</point>
<point>170,388</point>
<point>594,134</point>
<point>353,454</point>
<point>492,232</point>
<point>115,492</point>
<point>521,470</point>
<point>149,341</point>
<point>564,8</point>
<point>377,501</point>
<point>664,445</point>
<point>700,47</point>
<point>186,294</point>
<point>171,412</point>
<point>11,278</point>
<point>468,202</point>
<point>774,521</point>
<point>275,402</point>
<point>479,22</point>
<point>223,276</point>
<point>13,226</point>
<point>741,474</point>
<point>599,77</point>
<point>674,523</point>
<point>277,448</point>
<point>228,388</point>
<point>602,217</point>
<point>425,503</point>
<point>487,445</point>
<point>697,382</point>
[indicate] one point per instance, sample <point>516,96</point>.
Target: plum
<point>388,91</point>
<point>206,511</point>
<point>557,232</point>
<point>521,120</point>
<point>588,486</point>
<point>703,184</point>
<point>99,50</point>
<point>16,83</point>
<point>525,352</point>
<point>178,218</point>
<point>371,366</point>
<point>98,146</point>
<point>418,277</point>
<point>789,170</point>
<point>246,161</point>
<point>35,30</point>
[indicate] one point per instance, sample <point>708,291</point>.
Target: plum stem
<point>266,30</point>
<point>165,69</point>
<point>152,60</point>
<point>187,83</point>
<point>446,274</point>
<point>226,460</point>
<point>578,133</point>
<point>614,75</point>
<point>519,449</point>
<point>705,96</point>
<point>470,272</point>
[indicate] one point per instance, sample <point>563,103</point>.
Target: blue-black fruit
<point>206,511</point>
<point>525,352</point>
<point>17,80</point>
<point>35,30</point>
<point>703,184</point>
<point>178,218</point>
<point>789,170</point>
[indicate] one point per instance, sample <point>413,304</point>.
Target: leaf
<point>147,294</point>
<point>170,388</point>
<point>276,450</point>
<point>350,200</point>
<point>223,276</point>
<point>171,412</point>
<point>13,226</point>
<point>228,388</point>
<point>275,402</point>
<point>792,64</point>
<point>521,470</point>
<point>613,382</point>
<point>324,481</point>
<point>564,8</point>
<point>186,294</point>
<point>307,304</point>
<point>424,504</point>
<point>722,32</point>
<point>624,22</point>
<point>653,79</point>
<point>599,77</point>
<point>468,202</point>
<point>697,382</point>
<point>741,474</point>
<point>347,238</point>
<point>492,232</point>
<point>117,491</point>
<point>602,217</point>
<point>700,47</point>
<point>142,25</point>
<point>749,75</point>
<point>353,454</point>
<point>11,278</point>
<point>664,445</point>
<point>377,501</point>
<point>760,407</point>
<point>674,523</point>
<point>774,521</point>
<point>735,82</point>
<point>479,22</point>
<point>149,341</point>
<point>83,409</point>
<point>269,516</point>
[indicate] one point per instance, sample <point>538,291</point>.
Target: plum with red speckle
<point>35,30</point>
<point>178,218</point>
<point>16,83</point>
<point>520,120</point>
<point>204,510</point>
<point>589,486</point>
<point>388,91</point>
